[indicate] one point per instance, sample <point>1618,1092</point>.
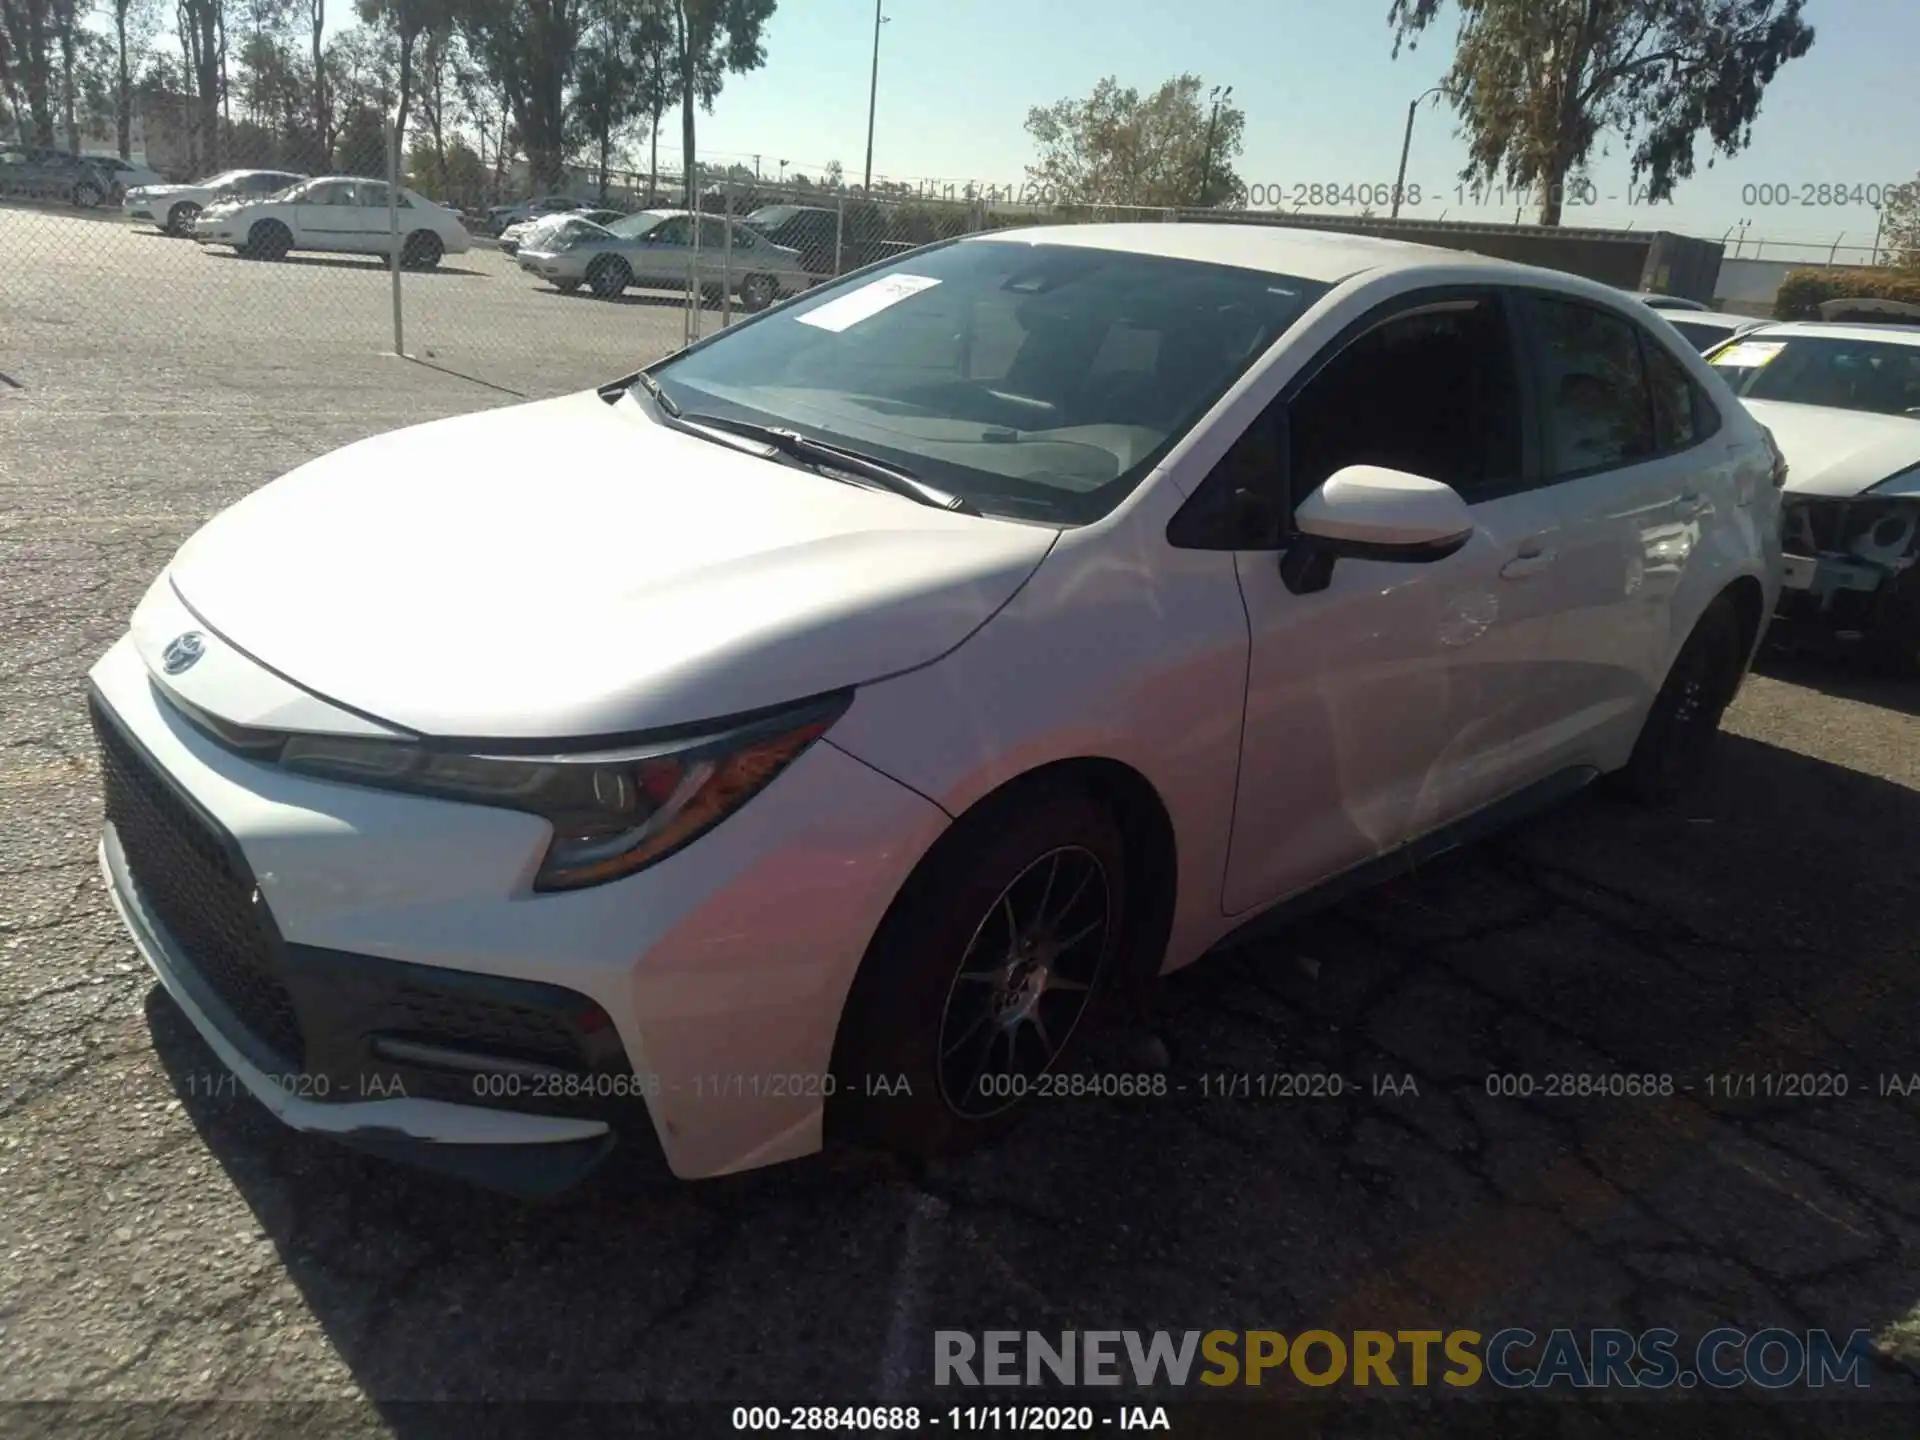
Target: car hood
<point>569,568</point>
<point>1838,453</point>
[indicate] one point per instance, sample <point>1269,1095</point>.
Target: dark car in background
<point>830,243</point>
<point>39,172</point>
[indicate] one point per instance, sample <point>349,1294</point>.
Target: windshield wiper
<point>823,456</point>
<point>614,390</point>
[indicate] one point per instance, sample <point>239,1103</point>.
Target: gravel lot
<point>161,1245</point>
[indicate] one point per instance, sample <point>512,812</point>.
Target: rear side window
<point>1594,388</point>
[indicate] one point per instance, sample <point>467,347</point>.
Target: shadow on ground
<point>1764,932</point>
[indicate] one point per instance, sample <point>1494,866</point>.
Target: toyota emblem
<point>182,651</point>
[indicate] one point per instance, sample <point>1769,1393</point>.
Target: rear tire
<point>608,277</point>
<point>998,948</point>
<point>421,250</point>
<point>87,194</point>
<point>268,240</point>
<point>181,217</point>
<point>1676,742</point>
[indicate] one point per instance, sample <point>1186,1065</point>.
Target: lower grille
<point>493,1027</point>
<point>199,887</point>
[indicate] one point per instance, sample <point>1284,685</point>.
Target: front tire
<point>982,973</point>
<point>181,217</point>
<point>608,277</point>
<point>757,292</point>
<point>1676,742</point>
<point>87,194</point>
<point>269,240</point>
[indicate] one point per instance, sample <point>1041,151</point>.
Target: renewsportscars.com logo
<point>1517,1359</point>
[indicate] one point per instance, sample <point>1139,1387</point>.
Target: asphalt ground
<point>164,1240</point>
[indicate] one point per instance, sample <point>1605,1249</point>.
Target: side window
<point>1594,389</point>
<point>1671,390</point>
<point>1433,391</point>
<point>672,232</point>
<point>331,192</point>
<point>713,235</point>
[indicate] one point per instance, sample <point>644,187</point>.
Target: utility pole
<point>1406,144</point>
<point>873,92</point>
<point>1218,97</point>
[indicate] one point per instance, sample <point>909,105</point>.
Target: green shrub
<point>1802,292</point>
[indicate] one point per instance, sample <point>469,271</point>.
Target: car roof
<point>1836,330</point>
<point>1323,255</point>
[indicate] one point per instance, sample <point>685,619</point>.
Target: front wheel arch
<point>1148,855</point>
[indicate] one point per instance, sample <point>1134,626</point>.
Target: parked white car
<point>174,208</point>
<point>530,232</point>
<point>885,679</point>
<point>1844,403</point>
<point>341,213</point>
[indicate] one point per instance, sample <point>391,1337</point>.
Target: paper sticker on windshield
<point>869,299</point>
<point>1749,354</point>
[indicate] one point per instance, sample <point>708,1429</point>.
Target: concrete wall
<point>1748,287</point>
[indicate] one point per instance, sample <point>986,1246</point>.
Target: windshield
<point>1031,379</point>
<point>1825,370</point>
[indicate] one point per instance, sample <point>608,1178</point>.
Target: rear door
<point>1632,475</point>
<point>371,226</point>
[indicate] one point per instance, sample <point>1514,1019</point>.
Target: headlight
<point>612,813</point>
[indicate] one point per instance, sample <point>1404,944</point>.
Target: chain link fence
<point>261,267</point>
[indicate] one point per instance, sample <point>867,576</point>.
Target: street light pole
<point>1406,144</point>
<point>873,91</point>
<point>1218,97</point>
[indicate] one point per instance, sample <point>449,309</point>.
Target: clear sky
<point>1324,98</point>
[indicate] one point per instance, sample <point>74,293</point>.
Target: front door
<point>327,216</point>
<point>661,260</point>
<point>1391,700</point>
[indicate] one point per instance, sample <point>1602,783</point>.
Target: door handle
<point>1531,563</point>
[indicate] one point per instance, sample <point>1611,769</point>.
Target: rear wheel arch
<point>1749,603</point>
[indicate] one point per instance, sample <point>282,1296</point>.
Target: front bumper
<point>552,265</point>
<point>1845,561</point>
<point>713,981</point>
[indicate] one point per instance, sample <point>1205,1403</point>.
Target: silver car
<point>655,250</point>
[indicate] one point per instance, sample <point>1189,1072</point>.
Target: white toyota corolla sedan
<point>883,681</point>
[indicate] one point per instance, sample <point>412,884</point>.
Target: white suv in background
<point>341,213</point>
<point>889,677</point>
<point>174,208</point>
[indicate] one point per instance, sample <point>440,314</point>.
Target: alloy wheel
<point>1032,964</point>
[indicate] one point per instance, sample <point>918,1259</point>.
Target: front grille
<point>199,888</point>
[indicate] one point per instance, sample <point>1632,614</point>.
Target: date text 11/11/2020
<point>1357,195</point>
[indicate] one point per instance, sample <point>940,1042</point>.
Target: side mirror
<point>1368,512</point>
